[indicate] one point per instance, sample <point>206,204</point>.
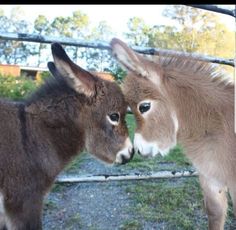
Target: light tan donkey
<point>183,100</point>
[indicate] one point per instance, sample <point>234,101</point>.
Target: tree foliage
<point>193,30</point>
<point>13,52</point>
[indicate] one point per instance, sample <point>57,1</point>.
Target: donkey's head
<point>145,93</point>
<point>101,117</point>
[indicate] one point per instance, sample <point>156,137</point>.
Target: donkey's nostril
<point>139,152</point>
<point>132,154</point>
<point>125,159</point>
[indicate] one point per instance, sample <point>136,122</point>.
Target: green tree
<point>197,30</point>
<point>14,52</point>
<point>202,32</point>
<point>75,26</point>
<point>98,59</point>
<point>193,30</point>
<point>138,32</point>
<point>162,36</point>
<point>61,26</point>
<point>41,27</point>
<point>5,46</point>
<point>79,25</point>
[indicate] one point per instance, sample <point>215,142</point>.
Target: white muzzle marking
<point>147,149</point>
<point>126,152</point>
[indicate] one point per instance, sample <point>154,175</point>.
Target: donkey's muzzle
<point>125,155</point>
<point>125,159</point>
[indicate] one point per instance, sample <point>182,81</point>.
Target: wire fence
<point>105,45</point>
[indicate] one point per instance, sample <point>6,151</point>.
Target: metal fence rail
<point>105,178</point>
<point>105,45</point>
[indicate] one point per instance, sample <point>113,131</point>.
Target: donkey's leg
<point>24,215</point>
<point>215,201</point>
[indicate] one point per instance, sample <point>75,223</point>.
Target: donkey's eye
<point>144,107</point>
<point>114,117</point>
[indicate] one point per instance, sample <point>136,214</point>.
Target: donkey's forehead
<point>136,89</point>
<point>113,96</point>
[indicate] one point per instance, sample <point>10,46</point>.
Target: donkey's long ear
<point>52,68</point>
<point>128,58</point>
<point>79,79</point>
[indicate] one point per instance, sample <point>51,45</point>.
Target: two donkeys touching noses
<point>174,99</point>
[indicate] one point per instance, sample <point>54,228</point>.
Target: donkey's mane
<point>189,65</point>
<point>54,86</point>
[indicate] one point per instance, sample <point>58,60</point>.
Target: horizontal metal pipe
<point>105,178</point>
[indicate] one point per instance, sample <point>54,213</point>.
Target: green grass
<point>131,124</point>
<point>72,221</point>
<point>49,205</point>
<point>176,155</point>
<point>73,166</point>
<point>175,160</point>
<point>179,208</point>
<point>56,187</point>
<point>175,203</point>
<point>131,225</point>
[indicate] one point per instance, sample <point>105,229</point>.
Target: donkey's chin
<point>126,154</point>
<point>149,149</point>
<point>164,152</point>
<point>152,151</point>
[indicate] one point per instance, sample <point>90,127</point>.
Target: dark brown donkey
<point>182,100</point>
<point>73,111</point>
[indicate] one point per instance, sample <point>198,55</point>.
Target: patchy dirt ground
<point>106,205</point>
<point>88,206</point>
<point>91,205</point>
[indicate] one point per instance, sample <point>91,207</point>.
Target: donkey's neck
<point>205,122</point>
<point>53,115</point>
<point>201,105</point>
<point>52,143</point>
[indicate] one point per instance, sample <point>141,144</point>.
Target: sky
<point>116,15</point>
